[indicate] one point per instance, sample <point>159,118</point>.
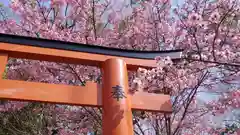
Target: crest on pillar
<point>118,93</point>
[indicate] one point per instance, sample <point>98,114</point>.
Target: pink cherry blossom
<point>206,30</point>
<point>194,18</point>
<point>214,17</point>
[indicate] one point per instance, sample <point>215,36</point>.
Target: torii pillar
<point>117,111</point>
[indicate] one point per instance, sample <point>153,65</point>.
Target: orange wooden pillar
<point>117,114</point>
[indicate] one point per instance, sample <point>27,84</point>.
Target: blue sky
<point>4,2</point>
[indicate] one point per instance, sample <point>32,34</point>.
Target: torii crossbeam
<point>113,95</point>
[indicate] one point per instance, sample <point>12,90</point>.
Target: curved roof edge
<point>71,46</point>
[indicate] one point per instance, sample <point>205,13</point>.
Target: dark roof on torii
<point>62,45</point>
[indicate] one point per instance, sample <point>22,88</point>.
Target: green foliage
<point>99,28</point>
<point>4,75</point>
<point>230,129</point>
<point>37,35</point>
<point>122,26</point>
<point>24,121</point>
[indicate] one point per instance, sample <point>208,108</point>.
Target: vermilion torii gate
<point>113,96</point>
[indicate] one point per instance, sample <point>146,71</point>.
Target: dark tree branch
<point>94,116</point>
<point>138,125</point>
<point>214,62</point>
<point>189,100</point>
<point>76,75</point>
<point>93,20</point>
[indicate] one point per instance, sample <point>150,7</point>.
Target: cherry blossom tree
<point>207,31</point>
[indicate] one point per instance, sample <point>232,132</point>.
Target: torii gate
<point>113,96</point>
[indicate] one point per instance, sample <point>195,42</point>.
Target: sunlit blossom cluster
<point>207,31</point>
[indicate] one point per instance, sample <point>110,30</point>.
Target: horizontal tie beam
<point>88,95</point>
